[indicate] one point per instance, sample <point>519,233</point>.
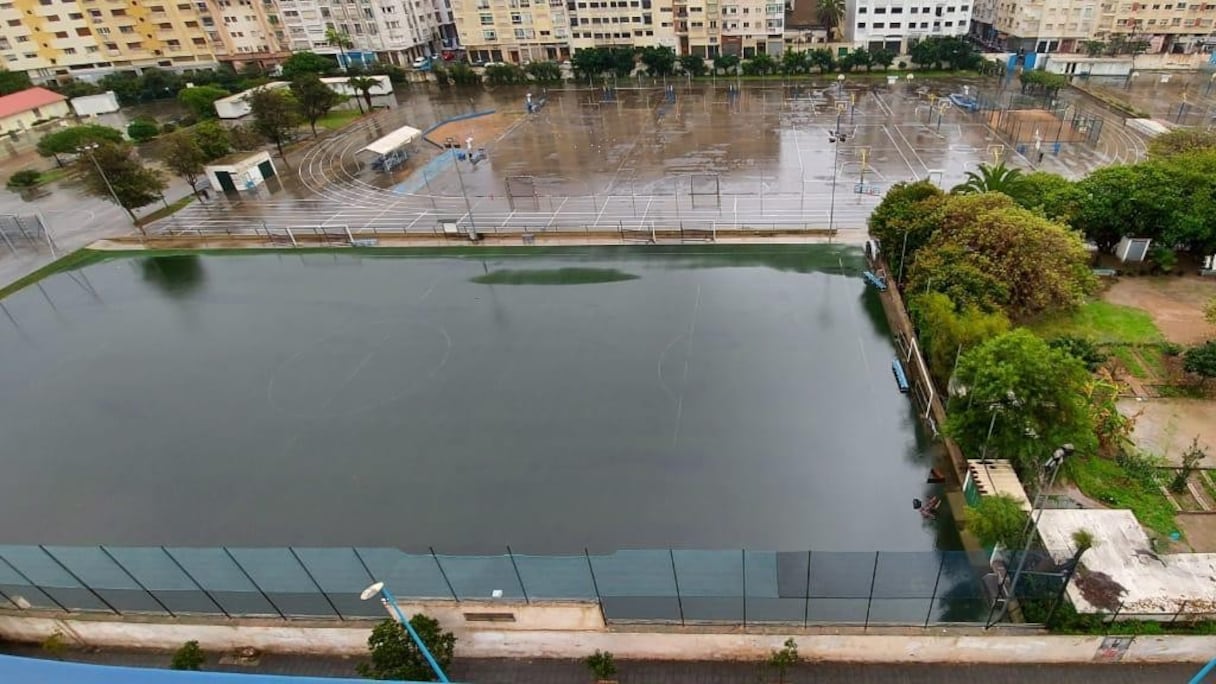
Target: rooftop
<point>25,100</point>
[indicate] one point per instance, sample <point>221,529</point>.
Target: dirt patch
<point>484,130</point>
<point>1176,304</point>
<point>1199,530</point>
<point>1165,427</point>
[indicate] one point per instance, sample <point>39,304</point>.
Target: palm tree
<point>339,38</point>
<point>364,85</point>
<point>830,13</point>
<point>999,178</point>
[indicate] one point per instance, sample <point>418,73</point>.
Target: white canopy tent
<point>389,151</point>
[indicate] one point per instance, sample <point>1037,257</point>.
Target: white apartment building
<point>396,31</point>
<point>896,25</point>
<point>1035,26</point>
<point>516,30</point>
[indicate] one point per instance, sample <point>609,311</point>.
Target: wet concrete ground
<point>1187,99</point>
<point>760,157</point>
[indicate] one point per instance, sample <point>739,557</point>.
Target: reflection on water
<point>177,275</point>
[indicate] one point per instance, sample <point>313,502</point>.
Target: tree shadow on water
<point>177,275</point>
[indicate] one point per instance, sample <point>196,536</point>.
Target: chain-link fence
<point>662,585</point>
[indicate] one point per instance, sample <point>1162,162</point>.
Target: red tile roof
<point>27,100</point>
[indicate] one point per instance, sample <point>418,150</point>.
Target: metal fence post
<point>251,581</point>
<point>315,583</point>
<point>595,585</point>
<point>518,576</point>
<point>743,561</point>
<point>10,601</point>
<point>80,581</point>
<point>1113,618</point>
<point>444,574</point>
<point>873,576</point>
<point>676,576</point>
<point>137,582</point>
<point>806,607</point>
<point>1178,612</point>
<point>196,582</point>
<point>933,599</point>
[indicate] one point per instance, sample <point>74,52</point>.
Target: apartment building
<point>245,32</point>
<point>396,31</point>
<point>89,38</point>
<point>1035,26</point>
<point>520,30</point>
<point>896,25</point>
<point>1177,27</point>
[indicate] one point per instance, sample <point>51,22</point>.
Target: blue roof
<point>38,671</point>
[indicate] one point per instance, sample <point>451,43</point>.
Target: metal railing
<point>662,585</point>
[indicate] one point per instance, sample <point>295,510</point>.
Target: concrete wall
<point>25,120</point>
<point>244,171</point>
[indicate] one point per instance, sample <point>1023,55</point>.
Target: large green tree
<point>1033,397</point>
<point>200,100</point>
<point>693,65</point>
<point>1182,140</point>
<point>1050,194</point>
<point>212,138</point>
<point>946,332</point>
<point>314,98</point>
<point>68,140</point>
<point>307,63</point>
<point>181,154</point>
<point>659,61</point>
<point>830,14</point>
<point>13,81</point>
<point>727,63</point>
<point>127,181</point>
<point>275,116</point>
<point>988,178</point>
<point>364,86</point>
<point>904,221</point>
<point>991,253</point>
<point>394,655</point>
<point>822,59</point>
<point>1201,360</point>
<point>998,519</point>
<point>1135,200</point>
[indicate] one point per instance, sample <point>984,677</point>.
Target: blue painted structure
<point>1202,674</point>
<point>879,283</point>
<point>966,102</point>
<point>901,378</point>
<point>37,671</point>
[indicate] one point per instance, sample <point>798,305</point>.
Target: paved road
<point>490,671</point>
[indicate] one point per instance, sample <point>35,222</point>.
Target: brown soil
<point>1175,303</point>
<point>484,130</point>
<point>1199,529</point>
<point>1165,427</point>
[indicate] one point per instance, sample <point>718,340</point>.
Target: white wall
<point>92,105</point>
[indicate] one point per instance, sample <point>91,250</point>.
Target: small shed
<point>23,110</point>
<point>240,171</point>
<point>236,106</point>
<point>1133,250</point>
<point>92,105</point>
<point>391,150</point>
<point>341,85</point>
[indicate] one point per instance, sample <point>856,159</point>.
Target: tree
<point>1191,458</point>
<point>126,86</point>
<point>999,178</point>
<point>1201,360</point>
<point>244,137</point>
<point>1209,311</point>
<point>1126,201</point>
<point>275,116</point>
<point>1049,194</point>
<point>882,58</point>
<point>993,254</point>
<point>997,519</point>
<point>925,53</point>
<point>342,41</point>
<point>142,129</point>
<point>74,88</point>
<point>23,179</point>
<point>904,221</point>
<point>601,664</point>
<point>68,140</point>
<point>1093,48</point>
<point>394,655</point>
<point>127,182</point>
<point>1081,348</point>
<point>659,61</point>
<point>212,139</point>
<point>854,58</point>
<point>314,98</point>
<point>784,658</point>
<point>364,86</point>
<point>13,81</point>
<point>462,75</point>
<point>763,64</point>
<point>440,75</point>
<point>200,100</point>
<point>306,63</point>
<point>1044,82</point>
<point>158,84</point>
<point>726,63</point>
<point>793,62</point>
<point>505,74</point>
<point>181,154</point>
<point>590,62</point>
<point>822,59</point>
<point>188,657</point>
<point>621,61</point>
<point>945,331</point>
<point>1032,398</point>
<point>1181,141</point>
<point>693,65</point>
<point>544,72</point>
<point>830,13</point>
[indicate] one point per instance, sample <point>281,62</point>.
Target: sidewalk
<point>520,671</point>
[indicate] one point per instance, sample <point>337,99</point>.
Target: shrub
<point>25,178</point>
<point>168,127</point>
<point>188,657</point>
<point>601,664</point>
<point>142,130</point>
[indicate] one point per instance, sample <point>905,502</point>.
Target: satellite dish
<point>371,591</point>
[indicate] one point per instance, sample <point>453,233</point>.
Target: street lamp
<point>836,136</point>
<point>460,177</point>
<point>390,604</point>
<point>87,149</point>
<point>1049,470</point>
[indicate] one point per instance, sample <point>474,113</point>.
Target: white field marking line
<point>911,147</point>
<point>884,106</point>
<point>692,330</point>
<point>645,212</point>
<point>557,212</point>
<point>416,220</point>
<point>596,223</point>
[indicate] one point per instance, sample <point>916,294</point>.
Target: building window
<point>879,24</point>
<point>861,24</point>
<point>895,25</point>
<point>61,34</point>
<point>489,35</point>
<point>487,20</point>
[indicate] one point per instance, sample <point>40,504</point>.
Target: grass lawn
<point>1108,482</point>
<point>52,175</point>
<point>338,118</point>
<point>1129,359</point>
<point>163,211</point>
<point>1102,322</point>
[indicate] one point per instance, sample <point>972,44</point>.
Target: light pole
<point>835,137</point>
<point>390,604</point>
<point>87,149</point>
<point>460,177</point>
<point>1049,470</point>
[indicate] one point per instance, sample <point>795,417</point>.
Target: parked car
<point>421,62</point>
